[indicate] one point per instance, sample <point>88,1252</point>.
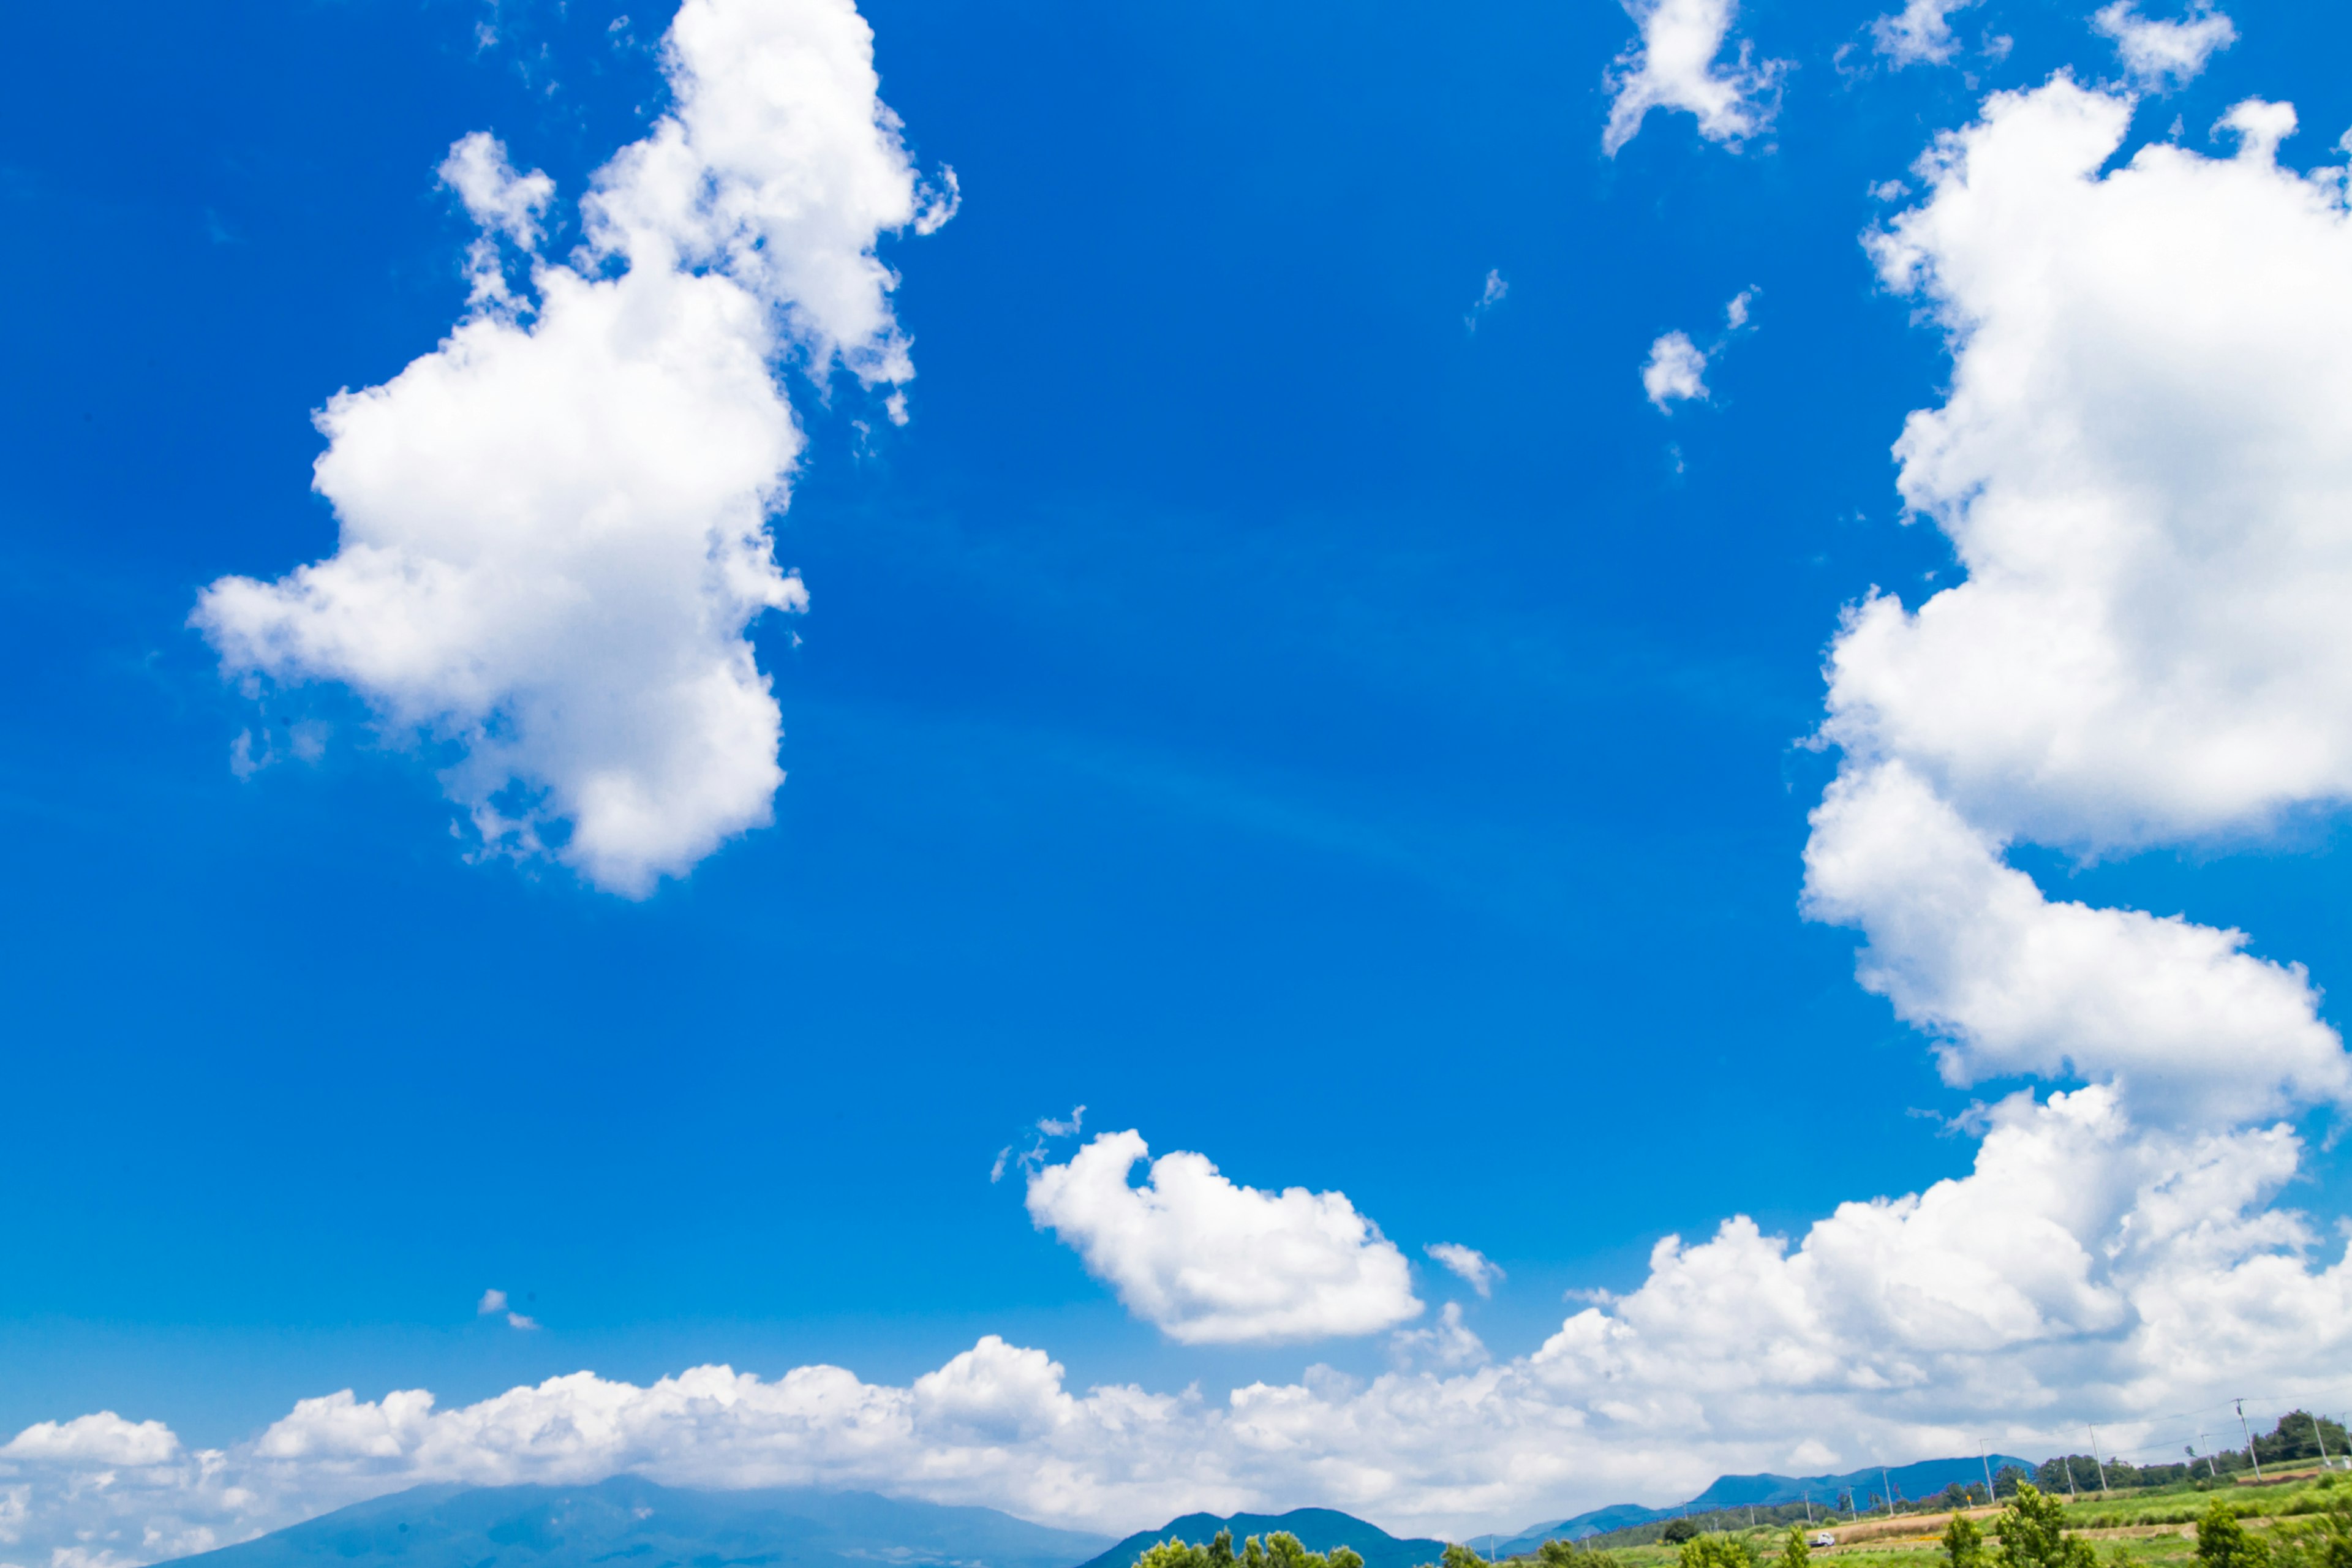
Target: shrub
<point>2032,1532</point>
<point>1717,1552</point>
<point>2222,1540</point>
<point>1963,1544</point>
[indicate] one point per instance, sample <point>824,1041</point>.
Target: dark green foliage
<point>1794,1552</point>
<point>2005,1480</point>
<point>2222,1540</point>
<point>1964,1544</point>
<point>2032,1532</point>
<point>2298,1435</point>
<point>1459,1556</point>
<point>1678,1532</point>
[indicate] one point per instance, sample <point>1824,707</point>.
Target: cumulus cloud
<point>1675,373</point>
<point>1919,34</point>
<point>104,1439</point>
<point>2086,1266</point>
<point>1209,1262</point>
<point>2164,55</point>
<point>1676,63</point>
<point>554,528</point>
<point>2177,1015</point>
<point>1447,1342</point>
<point>2143,465</point>
<point>1480,1271</point>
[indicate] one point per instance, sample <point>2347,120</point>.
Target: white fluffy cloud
<point>2185,1021</point>
<point>1919,34</point>
<point>1676,63</point>
<point>1211,1262</point>
<point>2160,54</point>
<point>2086,1267</point>
<point>2144,464</point>
<point>1480,1271</point>
<point>554,529</point>
<point>1675,373</point>
<point>104,1439</point>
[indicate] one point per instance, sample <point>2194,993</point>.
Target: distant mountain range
<point>631,1523</point>
<point>1924,1478</point>
<point>1318,1529</point>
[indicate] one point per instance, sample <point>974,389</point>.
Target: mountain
<point>1924,1478</point>
<point>633,1523</point>
<point>1318,1529</point>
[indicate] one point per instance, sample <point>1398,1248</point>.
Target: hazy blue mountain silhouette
<point>626,1522</point>
<point>1318,1529</point>
<point>1924,1478</point>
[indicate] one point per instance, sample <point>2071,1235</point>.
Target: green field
<point>2151,1527</point>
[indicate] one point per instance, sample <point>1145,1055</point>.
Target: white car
<point>1820,1538</point>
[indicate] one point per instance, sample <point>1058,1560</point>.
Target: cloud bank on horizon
<point>2147,650</point>
<point>555,526</point>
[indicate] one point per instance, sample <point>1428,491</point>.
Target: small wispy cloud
<point>1490,297</point>
<point>1034,1158</point>
<point>2164,55</point>
<point>494,1302</point>
<point>1676,370</point>
<point>1482,1272</point>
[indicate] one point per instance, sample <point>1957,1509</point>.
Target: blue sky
<point>1277,690</point>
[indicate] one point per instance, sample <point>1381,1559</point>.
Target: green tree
<point>1717,1552</point>
<point>1963,1542</point>
<point>1794,1552</point>
<point>1279,1550</point>
<point>1568,1555</point>
<point>1678,1531</point>
<point>2033,1533</point>
<point>2223,1541</point>
<point>1458,1556</point>
<point>1173,1553</point>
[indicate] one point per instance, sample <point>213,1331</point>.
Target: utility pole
<point>1984,1460</point>
<point>2251,1457</point>
<point>2072,1495</point>
<point>2210,1472</point>
<point>1889,1479</point>
<point>2321,1438</point>
<point>2102,1464</point>
<point>1809,1511</point>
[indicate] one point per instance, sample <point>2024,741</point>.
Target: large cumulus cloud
<point>554,528</point>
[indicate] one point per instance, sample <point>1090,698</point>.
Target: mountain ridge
<point>625,1519</point>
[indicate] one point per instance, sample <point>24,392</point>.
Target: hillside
<point>1318,1529</point>
<point>627,1521</point>
<point>1923,1479</point>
